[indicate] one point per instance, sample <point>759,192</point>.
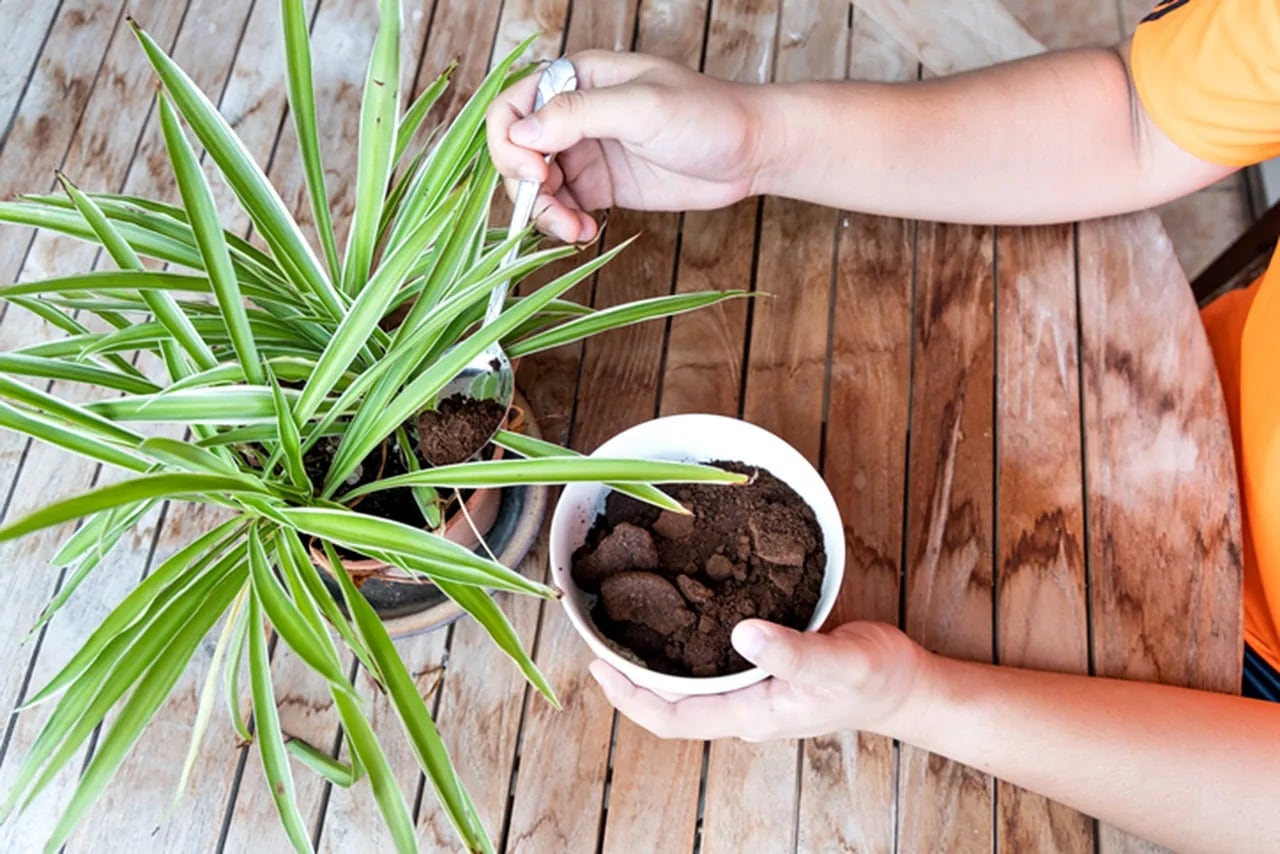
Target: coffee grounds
<point>669,588</point>
<point>458,428</point>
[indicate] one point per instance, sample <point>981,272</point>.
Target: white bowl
<point>690,438</point>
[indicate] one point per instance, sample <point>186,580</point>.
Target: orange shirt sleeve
<point>1208,73</point>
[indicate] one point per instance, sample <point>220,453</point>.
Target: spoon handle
<point>557,77</point>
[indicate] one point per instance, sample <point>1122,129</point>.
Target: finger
<point>617,112</point>
<point>552,216</point>
<point>597,68</point>
<point>807,658</point>
<point>716,716</point>
<point>586,223</point>
<point>511,160</point>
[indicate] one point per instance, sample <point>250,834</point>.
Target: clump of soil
<point>457,428</point>
<point>670,588</point>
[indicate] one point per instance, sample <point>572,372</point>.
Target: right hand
<point>639,132</point>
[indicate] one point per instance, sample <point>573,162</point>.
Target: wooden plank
<point>49,116</point>
<point>750,800</point>
<point>523,18</point>
<point>1069,23</point>
<point>702,373</point>
<point>47,473</point>
<point>465,32</point>
<point>952,37</point>
<point>341,40</point>
<point>342,36</point>
<point>20,44</point>
<point>483,701</point>
<point>848,795</point>
<point>618,387</point>
<point>1156,438</point>
<point>1042,613</point>
<point>944,805</point>
<point>352,821</point>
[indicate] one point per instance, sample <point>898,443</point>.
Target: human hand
<point>860,676</point>
<point>639,132</point>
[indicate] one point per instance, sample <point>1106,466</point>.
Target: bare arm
<point>1056,137</point>
<point>1192,770</point>
<point>1052,138</point>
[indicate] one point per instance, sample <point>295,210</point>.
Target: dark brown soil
<point>670,588</point>
<point>459,427</point>
<point>395,504</point>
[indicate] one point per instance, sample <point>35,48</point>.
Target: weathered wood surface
<point>969,423</point>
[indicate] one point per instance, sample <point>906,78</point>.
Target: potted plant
<point>298,376</point>
<point>657,594</point>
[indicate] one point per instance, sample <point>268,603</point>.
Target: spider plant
<point>269,350</point>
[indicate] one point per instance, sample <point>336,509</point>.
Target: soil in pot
<point>669,588</point>
<point>384,462</point>
<point>459,425</point>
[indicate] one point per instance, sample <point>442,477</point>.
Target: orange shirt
<point>1208,73</point>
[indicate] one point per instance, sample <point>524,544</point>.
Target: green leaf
<point>372,535</point>
<point>617,317</point>
<point>152,689</point>
<point>451,155</point>
<point>74,372</point>
<point>161,304</point>
<point>302,576</point>
<point>422,105</point>
<point>118,664</point>
<point>290,440</point>
<point>486,612</point>
<point>59,435</point>
<point>218,405</point>
<point>366,750</point>
<point>47,403</point>
<point>207,692</point>
<point>356,445</point>
<point>275,760</point>
<point>203,211</point>
<point>378,111</point>
<point>257,196</point>
<point>288,621</point>
<point>338,773</point>
<point>197,487</point>
<point>369,307</point>
<point>186,456</point>
<point>527,446</point>
<point>128,281</point>
<point>551,470</point>
<point>302,106</point>
<point>164,585</point>
<point>231,674</point>
<point>414,716</point>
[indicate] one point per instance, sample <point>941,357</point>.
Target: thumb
<point>570,117</point>
<point>792,656</point>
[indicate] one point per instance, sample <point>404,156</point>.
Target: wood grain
<point>751,788</point>
<point>51,110</point>
<point>20,44</point>
<point>944,805</point>
<point>619,387</point>
<point>848,791</point>
<point>702,373</point>
<point>1042,612</point>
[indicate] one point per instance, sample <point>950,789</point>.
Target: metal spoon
<point>487,384</point>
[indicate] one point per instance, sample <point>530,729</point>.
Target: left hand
<point>860,676</point>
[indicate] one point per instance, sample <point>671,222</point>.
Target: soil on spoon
<point>457,428</point>
<point>670,588</point>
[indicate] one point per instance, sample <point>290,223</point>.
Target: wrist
<point>770,128</point>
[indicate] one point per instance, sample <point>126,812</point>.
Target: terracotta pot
<point>509,519</point>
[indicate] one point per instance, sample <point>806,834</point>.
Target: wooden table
<point>1022,428</point>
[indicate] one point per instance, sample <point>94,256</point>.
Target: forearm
<point>1188,769</point>
<point>1047,139</point>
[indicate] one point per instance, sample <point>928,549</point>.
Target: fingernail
<point>526,131</point>
<point>748,639</point>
